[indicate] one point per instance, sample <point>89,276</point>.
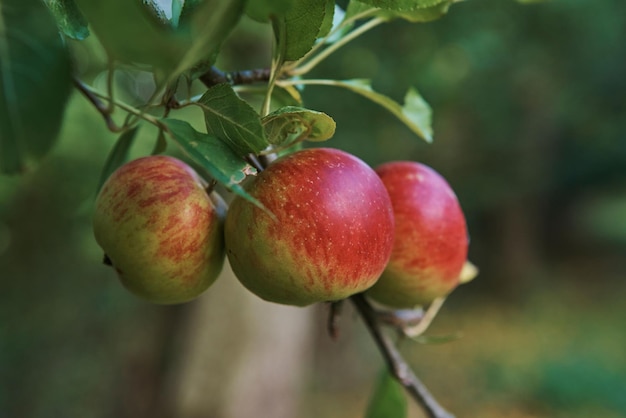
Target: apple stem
<point>397,365</point>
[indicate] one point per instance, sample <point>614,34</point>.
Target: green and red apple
<point>160,229</point>
<point>325,233</point>
<point>431,239</point>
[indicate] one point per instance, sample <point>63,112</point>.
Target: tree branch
<point>399,368</point>
<point>215,76</point>
<point>100,107</point>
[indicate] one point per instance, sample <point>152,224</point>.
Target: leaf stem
<point>349,21</point>
<point>95,96</point>
<point>313,62</point>
<point>103,109</point>
<point>398,367</point>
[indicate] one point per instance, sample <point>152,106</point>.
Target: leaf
<point>213,155</point>
<point>177,9</point>
<point>118,155</point>
<point>415,113</point>
<point>261,10</point>
<point>388,399</point>
<point>69,18</point>
<point>403,5</point>
<point>207,24</point>
<point>160,145</point>
<point>131,34</point>
<point>35,82</point>
<point>425,14</point>
<point>232,120</point>
<point>155,7</point>
<point>301,27</point>
<point>292,124</point>
<point>327,23</point>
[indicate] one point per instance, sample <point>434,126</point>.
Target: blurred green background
<point>529,120</point>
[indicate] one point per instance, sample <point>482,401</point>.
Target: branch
<point>215,76</point>
<point>104,110</point>
<point>399,368</point>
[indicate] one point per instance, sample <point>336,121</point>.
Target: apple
<point>431,239</point>
<point>325,232</point>
<point>160,229</point>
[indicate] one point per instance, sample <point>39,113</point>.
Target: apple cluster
<point>328,226</point>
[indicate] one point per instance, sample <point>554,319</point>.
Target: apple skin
<point>330,235</point>
<point>431,239</point>
<point>160,229</point>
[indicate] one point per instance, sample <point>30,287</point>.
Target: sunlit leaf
<point>415,113</point>
<point>388,399</point>
<point>35,82</point>
<point>118,155</point>
<point>232,120</point>
<point>292,124</point>
<point>69,18</point>
<point>219,160</point>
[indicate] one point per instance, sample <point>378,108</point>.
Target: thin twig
<point>97,103</point>
<point>398,367</point>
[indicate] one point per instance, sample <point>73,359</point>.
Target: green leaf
<point>403,5</point>
<point>189,8</point>
<point>35,82</point>
<point>292,124</point>
<point>388,399</point>
<point>134,32</point>
<point>327,23</point>
<point>207,24</point>
<point>415,113</point>
<point>424,14</point>
<point>411,10</point>
<point>160,145</point>
<point>118,155</point>
<point>130,33</point>
<point>69,18</point>
<point>262,10</point>
<point>177,9</point>
<point>356,8</point>
<point>213,155</point>
<point>301,27</point>
<point>232,120</point>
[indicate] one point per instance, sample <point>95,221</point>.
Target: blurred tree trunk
<point>238,356</point>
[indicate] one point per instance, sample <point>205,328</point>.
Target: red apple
<point>160,229</point>
<point>431,238</point>
<point>326,233</point>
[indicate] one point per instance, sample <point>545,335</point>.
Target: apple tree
<point>306,224</point>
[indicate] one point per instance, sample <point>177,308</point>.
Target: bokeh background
<point>529,120</point>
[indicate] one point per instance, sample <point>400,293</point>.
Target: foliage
<point>178,48</point>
